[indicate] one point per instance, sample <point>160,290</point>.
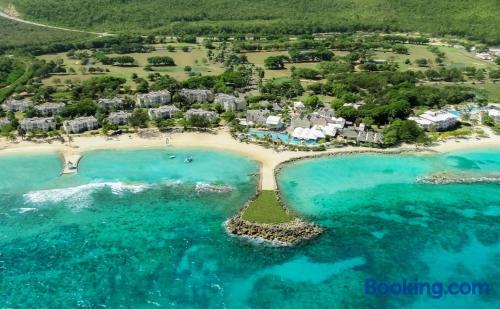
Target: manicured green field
<point>266,209</point>
<point>194,58</point>
<point>258,59</point>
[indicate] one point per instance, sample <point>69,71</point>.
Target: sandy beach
<point>220,140</point>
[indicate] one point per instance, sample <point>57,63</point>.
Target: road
<point>4,15</point>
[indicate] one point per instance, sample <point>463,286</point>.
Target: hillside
<point>475,19</point>
<point>16,34</point>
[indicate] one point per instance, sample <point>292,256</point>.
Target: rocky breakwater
<point>282,234</point>
<point>445,178</point>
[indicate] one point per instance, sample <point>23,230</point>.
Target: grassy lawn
<point>258,58</point>
<point>455,57</point>
<point>490,90</point>
<point>193,58</point>
<point>266,209</point>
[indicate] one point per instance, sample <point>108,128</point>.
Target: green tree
<point>139,118</point>
<point>275,62</point>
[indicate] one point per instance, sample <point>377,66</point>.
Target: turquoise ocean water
<point>136,229</point>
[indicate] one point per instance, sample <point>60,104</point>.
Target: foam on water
<point>81,193</point>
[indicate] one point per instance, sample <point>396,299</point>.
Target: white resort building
<point>13,105</point>
<point>43,124</point>
<point>118,118</point>
<point>208,115</point>
<point>110,103</point>
<point>4,121</point>
<point>257,117</point>
<point>197,95</point>
<point>163,112</point>
<point>154,99</point>
<point>81,124</point>
<point>49,109</point>
<point>230,103</point>
<point>441,120</point>
<point>274,122</point>
<point>494,114</point>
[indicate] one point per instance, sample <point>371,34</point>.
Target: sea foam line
<point>82,192</point>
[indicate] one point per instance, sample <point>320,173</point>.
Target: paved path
<point>4,15</point>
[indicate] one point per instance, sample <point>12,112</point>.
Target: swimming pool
<point>285,138</point>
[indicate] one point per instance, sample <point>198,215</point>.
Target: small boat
<point>188,159</point>
<point>172,157</point>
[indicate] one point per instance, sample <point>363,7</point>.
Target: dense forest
<point>473,19</point>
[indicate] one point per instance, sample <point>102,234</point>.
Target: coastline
<point>269,159</point>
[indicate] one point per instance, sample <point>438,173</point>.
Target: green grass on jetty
<point>267,209</point>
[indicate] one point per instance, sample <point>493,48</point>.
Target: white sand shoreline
<point>222,140</point>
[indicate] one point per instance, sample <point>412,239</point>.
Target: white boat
<point>188,159</point>
<point>172,157</point>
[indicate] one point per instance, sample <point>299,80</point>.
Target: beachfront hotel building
<point>230,103</point>
<point>110,103</point>
<point>118,118</point>
<point>494,114</point>
<point>274,122</point>
<point>36,123</point>
<point>49,109</point>
<point>4,121</point>
<point>163,112</point>
<point>257,117</point>
<point>13,105</point>
<point>197,95</point>
<point>81,124</point>
<point>441,120</point>
<point>208,115</point>
<point>154,99</point>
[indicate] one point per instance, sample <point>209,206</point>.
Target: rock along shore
<point>445,179</point>
<point>283,234</point>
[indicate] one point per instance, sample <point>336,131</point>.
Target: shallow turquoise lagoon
<point>137,229</point>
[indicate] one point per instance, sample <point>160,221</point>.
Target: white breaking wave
<point>23,210</point>
<point>81,193</point>
<point>206,187</point>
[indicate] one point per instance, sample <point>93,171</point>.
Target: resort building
<point>13,105</point>
<point>300,121</point>
<point>49,109</point>
<point>163,112</point>
<point>326,112</point>
<point>370,137</point>
<point>36,123</point>
<point>314,133</point>
<point>110,103</point>
<point>197,95</point>
<point>118,118</point>
<point>494,114</point>
<point>230,103</point>
<point>441,120</point>
<point>81,124</point>
<point>298,106</point>
<point>277,107</point>
<point>338,122</point>
<point>154,99</point>
<point>4,121</point>
<point>350,133</point>
<point>257,117</point>
<point>208,115</point>
<point>274,122</point>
